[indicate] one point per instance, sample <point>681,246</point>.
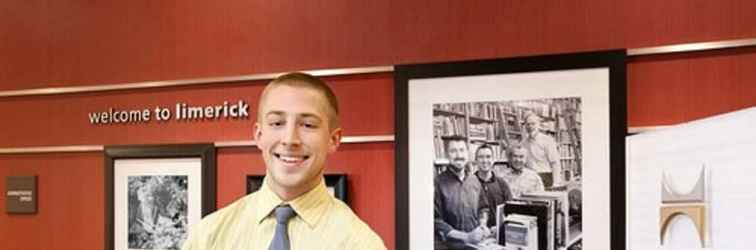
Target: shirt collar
<point>481,176</point>
<point>310,206</point>
<point>459,176</point>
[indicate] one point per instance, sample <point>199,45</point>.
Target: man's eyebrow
<point>274,112</point>
<point>310,115</point>
<point>301,115</point>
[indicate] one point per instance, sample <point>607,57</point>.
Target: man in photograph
<point>521,180</point>
<point>495,190</point>
<point>543,155</point>
<point>456,196</point>
<point>297,128</point>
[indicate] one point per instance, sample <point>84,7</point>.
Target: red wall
<point>71,202</point>
<point>670,89</point>
<point>54,43</point>
<point>46,43</point>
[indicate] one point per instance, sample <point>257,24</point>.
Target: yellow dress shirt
<point>322,222</point>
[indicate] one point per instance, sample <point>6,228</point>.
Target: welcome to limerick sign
<point>181,111</point>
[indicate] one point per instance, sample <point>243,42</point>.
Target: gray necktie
<point>281,238</point>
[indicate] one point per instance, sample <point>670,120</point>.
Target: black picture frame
<point>336,181</point>
<point>207,175</point>
<point>614,63</point>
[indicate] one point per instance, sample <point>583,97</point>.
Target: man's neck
<point>532,135</point>
<point>517,171</point>
<point>459,172</point>
<point>485,175</point>
<point>290,193</point>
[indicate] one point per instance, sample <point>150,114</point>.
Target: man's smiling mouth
<point>291,158</point>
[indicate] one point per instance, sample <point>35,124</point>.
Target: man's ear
<point>335,140</point>
<point>258,134</point>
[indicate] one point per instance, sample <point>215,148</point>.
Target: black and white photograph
<point>157,211</point>
<point>154,194</point>
<point>512,153</point>
<point>518,157</point>
<point>254,183</point>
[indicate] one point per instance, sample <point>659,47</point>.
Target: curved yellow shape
<point>697,213</point>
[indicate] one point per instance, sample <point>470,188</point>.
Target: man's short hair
<point>511,149</point>
<point>451,139</point>
<point>484,146</point>
<point>304,80</point>
<point>529,114</point>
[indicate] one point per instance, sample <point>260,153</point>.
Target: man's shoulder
<point>444,178</point>
<point>217,225</point>
<point>446,174</point>
<point>501,180</point>
<point>341,212</point>
<point>361,236</point>
<point>530,174</point>
<point>228,213</point>
<point>544,138</point>
<point>237,206</point>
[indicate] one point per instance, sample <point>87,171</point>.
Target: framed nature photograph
<point>154,194</point>
<point>335,183</point>
<point>518,153</point>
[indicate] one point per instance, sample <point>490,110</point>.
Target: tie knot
<point>284,213</point>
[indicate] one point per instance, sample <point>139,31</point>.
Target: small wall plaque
<point>21,195</point>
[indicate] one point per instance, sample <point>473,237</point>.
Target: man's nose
<point>291,135</point>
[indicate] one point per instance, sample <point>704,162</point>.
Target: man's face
<point>518,159</point>
<point>294,136</point>
<point>457,151</point>
<point>485,160</point>
<point>532,124</point>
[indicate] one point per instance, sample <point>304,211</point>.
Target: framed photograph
<point>550,128</point>
<point>155,193</point>
<point>336,184</point>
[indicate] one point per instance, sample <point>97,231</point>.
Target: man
<point>456,196</point>
<point>495,190</point>
<point>542,152</point>
<point>521,179</point>
<point>297,127</point>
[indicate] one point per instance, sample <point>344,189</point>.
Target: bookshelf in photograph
<point>510,121</point>
<point>568,137</point>
<point>476,123</point>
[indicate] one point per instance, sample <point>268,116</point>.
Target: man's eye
<point>276,124</point>
<point>309,125</point>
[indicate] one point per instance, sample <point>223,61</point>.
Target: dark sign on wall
<point>21,195</point>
